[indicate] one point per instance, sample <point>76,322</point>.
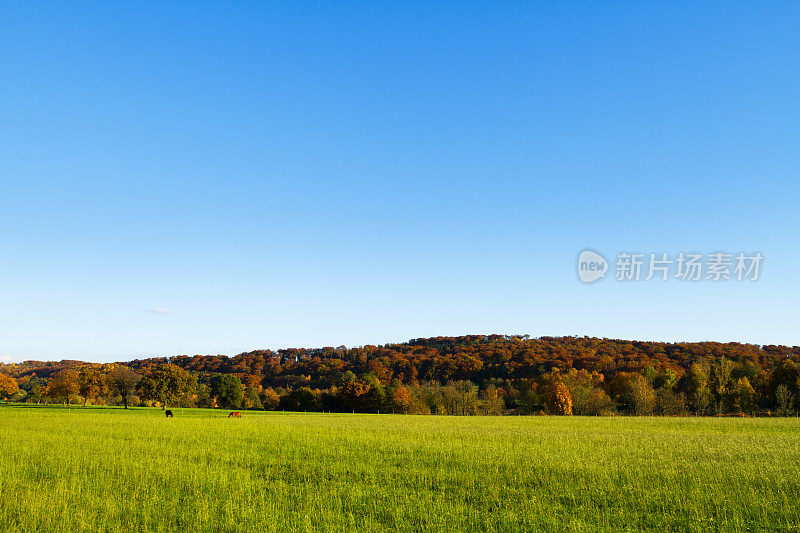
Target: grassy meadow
<point>97,469</point>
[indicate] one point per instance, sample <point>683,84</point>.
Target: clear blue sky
<point>315,174</point>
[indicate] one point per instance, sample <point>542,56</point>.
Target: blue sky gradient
<point>318,174</point>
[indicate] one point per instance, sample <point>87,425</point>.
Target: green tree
<point>375,398</point>
<point>741,397</point>
<point>590,401</point>
<point>429,394</point>
<point>642,395</point>
<point>720,382</point>
<point>460,397</point>
<point>650,374</point>
<point>251,399</point>
<point>633,393</point>
<point>123,381</point>
<point>697,388</point>
<point>228,391</point>
<point>167,384</point>
<point>203,396</point>
<point>35,389</point>
<point>491,401</point>
<point>588,398</point>
<point>526,396</point>
<point>670,403</point>
<point>784,400</point>
<point>302,399</point>
<point>347,377</point>
<point>666,380</point>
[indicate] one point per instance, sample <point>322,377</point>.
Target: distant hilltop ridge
<point>465,356</point>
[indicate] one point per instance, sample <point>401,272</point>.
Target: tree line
<point>469,375</point>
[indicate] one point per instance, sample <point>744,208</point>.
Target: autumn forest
<point>469,375</point>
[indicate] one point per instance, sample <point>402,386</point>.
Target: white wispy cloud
<point>5,358</point>
<point>161,311</point>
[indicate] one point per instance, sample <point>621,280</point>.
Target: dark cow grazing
<point>168,413</point>
<point>235,414</point>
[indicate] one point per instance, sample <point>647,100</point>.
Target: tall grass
<point>114,470</point>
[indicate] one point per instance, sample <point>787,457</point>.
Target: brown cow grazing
<point>168,413</point>
<point>235,414</point>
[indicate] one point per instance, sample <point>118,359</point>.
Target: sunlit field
<point>99,469</point>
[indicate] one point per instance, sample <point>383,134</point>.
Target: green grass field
<point>114,470</point>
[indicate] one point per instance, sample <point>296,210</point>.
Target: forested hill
<point>474,374</point>
<point>472,357</point>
